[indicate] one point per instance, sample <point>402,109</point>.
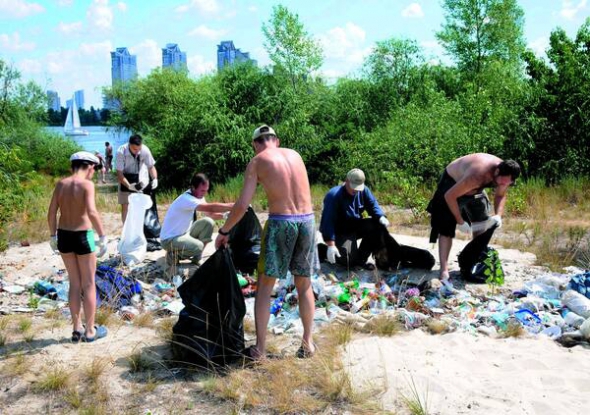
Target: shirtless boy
<point>460,200</point>
<point>288,241</point>
<point>73,238</point>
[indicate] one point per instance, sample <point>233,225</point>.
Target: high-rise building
<point>123,66</point>
<point>228,55</point>
<point>53,101</point>
<point>79,96</point>
<point>173,58</point>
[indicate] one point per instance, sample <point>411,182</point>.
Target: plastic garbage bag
<point>244,240</point>
<point>133,245</point>
<point>151,225</point>
<point>210,330</point>
<point>577,303</point>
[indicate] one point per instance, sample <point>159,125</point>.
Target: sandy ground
<point>462,373</point>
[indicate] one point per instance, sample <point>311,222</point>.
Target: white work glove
<point>53,244</point>
<point>383,221</point>
<point>496,220</point>
<point>465,227</point>
<point>332,254</point>
<point>102,246</point>
<point>154,183</point>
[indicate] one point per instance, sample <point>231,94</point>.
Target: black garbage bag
<point>472,257</point>
<point>244,240</point>
<point>393,255</point>
<point>151,224</point>
<point>210,330</point>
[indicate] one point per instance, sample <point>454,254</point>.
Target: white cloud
<point>540,46</point>
<point>63,3</point>
<point>149,56</point>
<point>252,8</point>
<point>197,65</point>
<point>432,47</point>
<point>100,15</point>
<point>207,33</point>
<point>569,9</point>
<point>30,66</point>
<point>96,49</point>
<point>13,43</point>
<point>69,28</point>
<point>122,6</point>
<point>202,6</point>
<point>413,10</point>
<point>344,43</point>
<point>19,8</point>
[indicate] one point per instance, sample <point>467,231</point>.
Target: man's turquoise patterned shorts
<point>288,243</point>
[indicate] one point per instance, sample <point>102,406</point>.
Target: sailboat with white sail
<point>72,127</point>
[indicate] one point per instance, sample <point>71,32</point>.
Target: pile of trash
<point>553,305</point>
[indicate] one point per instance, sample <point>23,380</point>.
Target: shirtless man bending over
<point>73,197</point>
<point>288,241</point>
<point>460,199</point>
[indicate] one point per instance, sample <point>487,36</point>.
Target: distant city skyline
<point>173,57</point>
<point>64,45</point>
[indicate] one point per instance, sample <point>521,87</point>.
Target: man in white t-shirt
<point>136,171</point>
<point>181,236</point>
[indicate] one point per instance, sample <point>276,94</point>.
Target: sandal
<point>303,353</point>
<point>100,332</point>
<point>76,336</point>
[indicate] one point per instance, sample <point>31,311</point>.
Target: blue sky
<point>64,45</point>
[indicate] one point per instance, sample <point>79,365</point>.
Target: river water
<point>96,139</point>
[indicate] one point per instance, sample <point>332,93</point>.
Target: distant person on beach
<point>288,241</point>
<point>136,171</point>
<point>101,167</point>
<point>342,222</point>
<point>108,151</point>
<point>460,199</point>
<point>182,236</point>
<point>73,238</point>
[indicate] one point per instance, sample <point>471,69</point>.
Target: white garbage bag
<point>133,244</point>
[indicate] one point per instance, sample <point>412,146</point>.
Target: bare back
<point>474,171</point>
<point>71,195</point>
<point>283,175</point>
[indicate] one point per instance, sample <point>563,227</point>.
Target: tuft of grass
<point>105,316</point>
<point>513,329</point>
<point>437,326</point>
<point>53,314</point>
<point>73,398</point>
<point>249,326</point>
<point>4,320</point>
<point>164,328</point>
<point>24,324</point>
<point>416,404</point>
<point>139,362</point>
<point>340,333</point>
<point>96,369</point>
<point>384,325</point>
<point>150,384</point>
<point>18,366</point>
<point>55,379</point>
<point>29,336</point>
<point>3,339</point>
<point>144,320</point>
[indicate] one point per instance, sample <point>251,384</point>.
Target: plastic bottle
<point>43,287</point>
<point>573,319</point>
<point>277,305</point>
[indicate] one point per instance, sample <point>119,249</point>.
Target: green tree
<point>477,33</point>
<point>290,47</point>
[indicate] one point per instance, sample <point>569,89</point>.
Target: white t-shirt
<point>179,217</point>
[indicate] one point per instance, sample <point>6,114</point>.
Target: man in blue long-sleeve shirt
<point>343,223</point>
